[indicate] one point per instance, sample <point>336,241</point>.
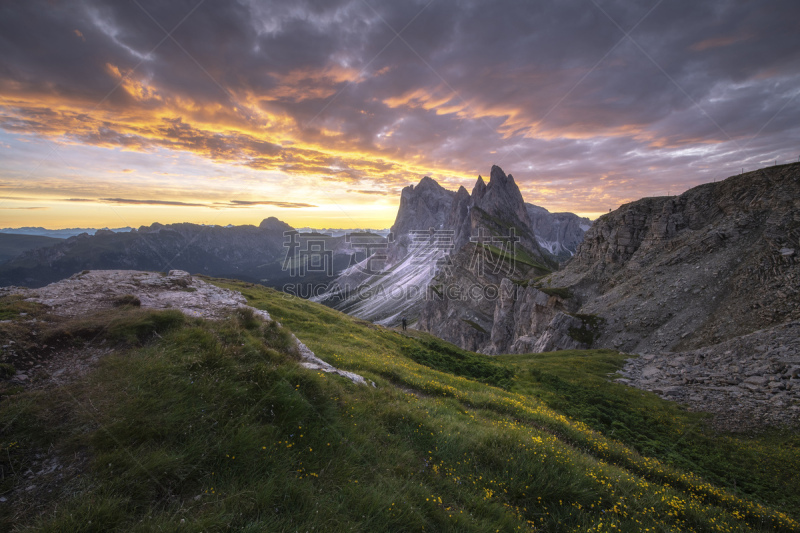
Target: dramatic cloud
<point>174,203</point>
<point>250,203</point>
<point>127,201</point>
<point>589,103</point>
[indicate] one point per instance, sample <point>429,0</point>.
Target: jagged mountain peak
<point>499,180</point>
<point>423,206</point>
<point>427,183</point>
<point>497,175</point>
<point>495,211</point>
<point>502,198</point>
<point>479,189</point>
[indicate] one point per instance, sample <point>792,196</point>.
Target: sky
<point>127,112</point>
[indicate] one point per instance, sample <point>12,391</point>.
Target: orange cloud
<point>716,42</point>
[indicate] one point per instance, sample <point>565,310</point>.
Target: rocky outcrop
<point>476,305</point>
<point>503,199</point>
<point>529,320</point>
<point>746,382</point>
<point>486,301</point>
<point>459,219</point>
<point>92,291</point>
<point>679,273</point>
<point>495,210</point>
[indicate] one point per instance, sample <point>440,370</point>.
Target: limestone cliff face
<point>480,304</point>
<point>558,233</point>
<point>493,210</point>
<point>492,214</point>
<point>485,301</point>
<point>422,207</point>
<point>502,198</point>
<point>527,320</point>
<point>716,262</point>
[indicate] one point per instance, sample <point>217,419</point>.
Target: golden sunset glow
<point>321,115</point>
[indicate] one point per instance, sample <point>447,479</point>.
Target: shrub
<point>246,318</point>
<point>589,329</point>
<point>278,338</point>
<point>127,299</point>
<point>448,358</point>
<point>7,370</point>
<point>140,326</point>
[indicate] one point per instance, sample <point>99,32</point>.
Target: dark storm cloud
<point>555,92</point>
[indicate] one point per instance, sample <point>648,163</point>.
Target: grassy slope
<point>216,425</point>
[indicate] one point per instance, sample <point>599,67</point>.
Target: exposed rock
<point>740,381</point>
<point>92,291</point>
<point>503,199</point>
<point>459,218</point>
<point>478,190</point>
<point>422,207</point>
<point>558,233</point>
<point>558,335</point>
<point>432,223</point>
<point>477,306</point>
<point>678,273</point>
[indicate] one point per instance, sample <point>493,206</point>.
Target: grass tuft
<point>127,299</point>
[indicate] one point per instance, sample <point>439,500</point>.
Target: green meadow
<point>192,425</point>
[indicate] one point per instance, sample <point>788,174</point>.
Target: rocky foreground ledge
<point>747,383</point>
<point>95,290</point>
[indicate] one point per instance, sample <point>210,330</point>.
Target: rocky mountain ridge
<point>558,233</point>
<point>247,252</point>
<point>433,225</point>
<point>704,285</point>
<point>711,264</point>
<point>658,274</point>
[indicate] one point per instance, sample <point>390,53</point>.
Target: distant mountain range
<point>273,253</point>
<point>72,232</point>
<point>57,233</point>
<point>340,232</point>
<point>399,257</point>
